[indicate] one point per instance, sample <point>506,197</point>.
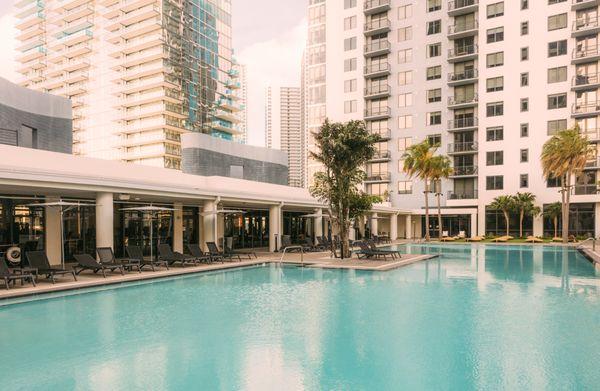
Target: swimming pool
<point>481,316</point>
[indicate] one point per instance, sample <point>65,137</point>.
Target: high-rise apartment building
<point>139,72</point>
<point>489,81</point>
<point>243,95</point>
<point>283,129</point>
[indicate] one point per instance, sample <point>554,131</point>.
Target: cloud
<point>275,62</point>
<point>8,42</point>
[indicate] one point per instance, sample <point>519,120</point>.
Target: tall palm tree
<point>553,211</point>
<point>564,156</point>
<point>417,163</point>
<point>506,204</point>
<point>440,169</point>
<point>524,204</point>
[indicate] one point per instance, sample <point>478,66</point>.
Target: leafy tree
<point>564,156</point>
<point>505,204</point>
<point>343,150</point>
<point>553,211</point>
<point>524,204</point>
<point>440,169</point>
<point>418,163</point>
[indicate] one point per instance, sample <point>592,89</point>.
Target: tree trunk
<point>345,235</point>
<point>507,219</point>
<point>427,237</point>
<point>565,212</point>
<point>439,208</point>
<point>521,215</point>
<point>555,226</point>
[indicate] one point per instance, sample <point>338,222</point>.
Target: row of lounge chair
<point>369,250</point>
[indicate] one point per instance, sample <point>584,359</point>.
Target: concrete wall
<point>34,119</point>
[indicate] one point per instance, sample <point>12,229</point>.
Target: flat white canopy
<point>224,212</point>
<point>148,208</point>
<point>60,203</point>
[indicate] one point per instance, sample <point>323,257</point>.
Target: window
<point>434,27</point>
<point>434,5</point>
<point>495,10</point>
<point>524,54</point>
<point>434,50</point>
<point>350,23</point>
<point>405,187</point>
<point>524,130</point>
<point>434,139</point>
<point>349,4</point>
<point>551,2</point>
<point>349,64</point>
<point>495,84</point>
<point>405,34</point>
<point>405,100</point>
<point>553,182</point>
<point>405,122</point>
<point>350,43</point>
<point>495,59</point>
<point>495,109</point>
<point>494,182</point>
<point>404,11</point>
<point>494,134</point>
<point>350,85</point>
<point>434,72</point>
<point>557,101</point>
<point>556,22</point>
<point>524,104</point>
<point>557,48</point>
<point>556,126</point>
<point>404,56</point>
<point>524,4</point>
<point>434,118</point>
<point>524,79</point>
<point>404,143</point>
<point>494,158</point>
<point>524,28</point>
<point>523,180</point>
<point>557,75</point>
<point>350,106</point>
<point>434,95</point>
<point>495,35</point>
<point>404,78</point>
<point>524,155</point>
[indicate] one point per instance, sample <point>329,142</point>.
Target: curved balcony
<point>462,53</point>
<point>465,77</point>
<point>377,70</point>
<point>456,102</point>
<point>462,148</point>
<point>376,113</point>
<point>376,6</point>
<point>462,30</point>
<point>461,124</point>
<point>377,91</point>
<point>462,7</point>
<point>377,26</point>
<point>377,48</point>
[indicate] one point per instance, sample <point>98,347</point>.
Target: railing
<point>378,111</point>
<point>462,51</point>
<point>463,195</point>
<point>462,100</point>
<point>584,80</point>
<point>458,4</point>
<point>464,170</point>
<point>585,242</point>
<point>384,134</point>
<point>377,24</point>
<point>378,177</point>
<point>291,248</point>
<point>462,27</point>
<point>376,68</point>
<point>370,4</point>
<point>585,52</point>
<point>377,89</point>
<point>585,189</point>
<point>462,123</point>
<point>380,155</point>
<point>591,134</point>
<point>464,75</point>
<point>470,146</point>
<point>585,108</point>
<point>584,23</point>
<point>582,1</point>
<point>377,46</point>
<point>593,163</point>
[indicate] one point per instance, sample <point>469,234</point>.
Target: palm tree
<point>417,163</point>
<point>553,211</point>
<point>440,169</point>
<point>564,156</point>
<point>524,204</point>
<point>506,204</point>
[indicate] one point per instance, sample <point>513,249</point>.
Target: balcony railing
<point>464,75</point>
<point>377,24</point>
<point>382,67</point>
<point>592,134</point>
<point>382,155</point>
<point>378,177</point>
<point>585,108</point>
<point>458,4</point>
<point>593,163</point>
<point>462,27</point>
<point>376,46</point>
<point>373,5</point>
<point>460,123</point>
<point>584,24</point>
<point>377,89</point>
<point>464,171</point>
<point>463,195</point>
<point>585,189</point>
<point>378,112</point>
<point>384,134</point>
<point>585,80</point>
<point>470,146</point>
<point>579,53</point>
<point>462,51</point>
<point>462,100</point>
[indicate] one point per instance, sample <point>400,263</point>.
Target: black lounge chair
<point>107,258</point>
<point>214,251</point>
<point>309,245</point>
<point>239,253</point>
<point>196,252</point>
<point>167,254</point>
<point>323,242</point>
<point>286,242</point>
<point>87,262</point>
<point>7,276</point>
<point>365,252</point>
<point>39,260</point>
<point>135,253</point>
<point>373,247</point>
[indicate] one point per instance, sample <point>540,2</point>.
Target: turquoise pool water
<point>481,317</point>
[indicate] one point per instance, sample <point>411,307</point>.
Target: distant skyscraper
<point>284,128</point>
<point>139,73</point>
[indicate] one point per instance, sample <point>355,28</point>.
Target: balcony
<point>583,4</point>
<point>585,109</point>
<point>134,30</point>
<point>376,113</point>
<point>593,163</point>
<point>377,48</point>
<point>462,148</point>
<point>234,85</point>
<point>31,32</point>
<point>462,53</point>
<point>463,195</point>
<point>76,13</point>
<point>134,16</point>
<point>384,134</point>
<point>377,91</point>
<point>462,7</point>
<point>462,124</point>
<point>585,54</point>
<point>377,70</point>
<point>31,54</point>
<point>381,156</point>
<point>376,6</point>
<point>585,190</point>
<point>584,26</point>
<point>462,30</point>
<point>467,76</point>
<point>378,177</point>
<point>592,135</point>
<point>70,4</point>
<point>377,26</point>
<point>31,20</point>
<point>585,82</point>
<point>226,116</point>
<point>457,102</point>
<point>464,171</point>
<point>224,126</point>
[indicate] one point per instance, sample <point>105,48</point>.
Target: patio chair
<point>309,245</point>
<point>39,260</point>
<point>167,254</point>
<point>286,242</point>
<point>7,276</point>
<point>107,257</point>
<point>87,262</point>
<point>323,243</point>
<point>214,251</point>
<point>135,253</point>
<point>365,252</point>
<point>373,247</point>
<point>196,252</point>
<point>239,253</point>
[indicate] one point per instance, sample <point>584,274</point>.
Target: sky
<point>268,36</point>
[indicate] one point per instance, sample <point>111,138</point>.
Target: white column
<point>408,226</point>
<point>393,227</point>
<point>274,227</point>
<point>374,224</point>
<point>481,220</point>
<point>597,220</point>
<point>53,232</point>
<point>104,220</point>
<point>178,227</point>
<point>209,218</point>
<point>318,223</point>
<point>474,224</point>
<point>538,225</point>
